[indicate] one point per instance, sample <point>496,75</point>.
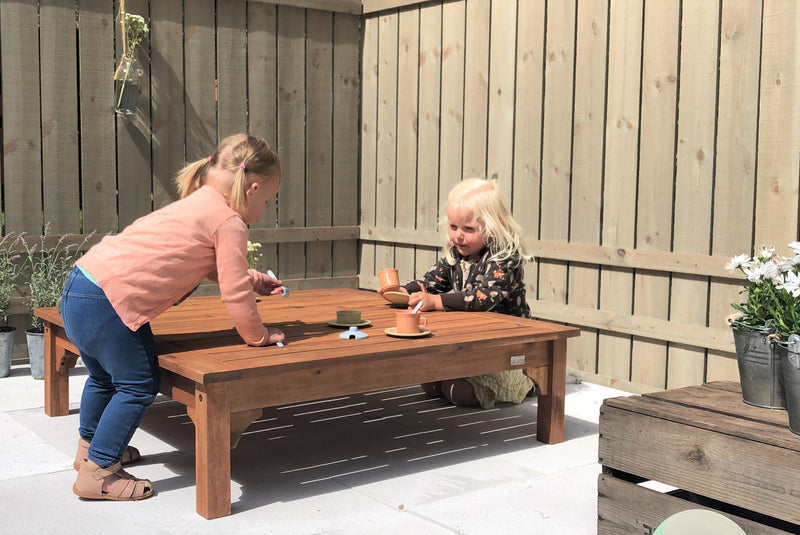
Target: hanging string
<point>124,35</point>
<point>124,26</point>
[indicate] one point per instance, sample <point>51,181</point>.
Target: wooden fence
<point>212,68</point>
<point>640,144</point>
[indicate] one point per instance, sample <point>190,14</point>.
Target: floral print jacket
<point>495,286</point>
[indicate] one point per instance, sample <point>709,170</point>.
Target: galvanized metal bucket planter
<point>759,367</point>
<point>6,349</point>
<point>36,353</point>
<point>789,353</point>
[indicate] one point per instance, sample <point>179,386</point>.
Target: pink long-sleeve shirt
<point>161,257</point>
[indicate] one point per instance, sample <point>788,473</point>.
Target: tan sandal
<point>124,487</point>
<point>129,456</point>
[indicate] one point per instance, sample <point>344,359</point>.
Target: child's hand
<point>275,336</point>
<point>429,301</point>
<point>263,284</point>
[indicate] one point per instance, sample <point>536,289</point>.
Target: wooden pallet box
<point>714,450</point>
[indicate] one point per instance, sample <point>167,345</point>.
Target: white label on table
<point>516,360</point>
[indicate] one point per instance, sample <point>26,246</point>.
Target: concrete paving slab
<point>384,462</point>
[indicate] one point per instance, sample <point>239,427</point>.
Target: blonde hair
<point>501,233</point>
<point>244,156</point>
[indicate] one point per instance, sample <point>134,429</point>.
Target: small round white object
<point>698,522</point>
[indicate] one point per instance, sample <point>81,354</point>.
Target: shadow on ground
<point>301,450</point>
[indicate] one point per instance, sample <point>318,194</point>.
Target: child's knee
<point>433,389</point>
<point>459,392</point>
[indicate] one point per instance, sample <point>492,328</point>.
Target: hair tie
<point>210,158</point>
<point>241,166</point>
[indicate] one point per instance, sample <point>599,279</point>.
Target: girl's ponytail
<point>190,178</point>
<point>240,154</point>
<point>238,198</point>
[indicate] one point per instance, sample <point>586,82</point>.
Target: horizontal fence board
<point>347,6</point>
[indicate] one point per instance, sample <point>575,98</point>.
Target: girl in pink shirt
<point>128,279</point>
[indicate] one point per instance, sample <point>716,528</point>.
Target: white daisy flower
<point>791,284</point>
<point>737,262</point>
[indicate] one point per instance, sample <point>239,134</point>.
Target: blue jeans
<point>123,369</point>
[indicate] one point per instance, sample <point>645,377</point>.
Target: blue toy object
<point>353,332</point>
<point>284,289</point>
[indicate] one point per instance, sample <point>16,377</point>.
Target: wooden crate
<point>714,450</point>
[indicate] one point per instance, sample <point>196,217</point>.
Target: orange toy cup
<point>388,280</point>
<point>409,322</point>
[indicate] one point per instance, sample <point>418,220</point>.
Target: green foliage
<point>253,254</point>
<point>49,266</point>
<point>10,267</point>
<point>786,315</point>
<point>135,31</point>
<point>760,306</point>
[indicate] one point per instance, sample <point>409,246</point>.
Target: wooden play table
<point>225,384</point>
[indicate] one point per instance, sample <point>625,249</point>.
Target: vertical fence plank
<point>369,139</point>
<point>291,135</point>
<point>346,87</point>
<point>619,193</point>
<point>500,136</point>
<point>656,169</point>
<point>734,182</point>
<point>452,95</point>
<point>262,98</point>
<point>22,191</point>
<point>693,179</point>
<point>200,79</point>
<point>387,134</point>
<point>776,210</point>
<point>557,144</point>
<point>409,64</point>
<point>430,86</point>
<point>166,77</point>
<point>319,140</point>
<point>232,66</point>
<point>59,91</point>
<point>476,80</point>
<point>96,93</point>
<point>587,170</point>
<point>133,136</point>
<point>527,143</point>
<point>451,125</point>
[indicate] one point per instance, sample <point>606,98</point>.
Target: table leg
<point>56,375</point>
<point>213,451</point>
<point>550,412</point>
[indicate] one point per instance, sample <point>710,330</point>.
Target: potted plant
<point>129,72</point>
<point>48,267</point>
<point>754,323</point>
<point>10,267</point>
<point>786,340</point>
<point>253,254</point>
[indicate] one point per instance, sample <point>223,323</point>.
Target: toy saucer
<point>391,288</point>
<point>392,331</point>
<point>396,298</point>
<point>362,323</point>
